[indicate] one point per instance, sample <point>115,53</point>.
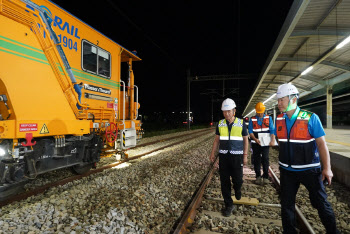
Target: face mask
<point>291,106</point>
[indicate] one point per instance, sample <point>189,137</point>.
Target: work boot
<point>266,181</point>
<point>227,212</point>
<point>238,194</point>
<point>259,181</point>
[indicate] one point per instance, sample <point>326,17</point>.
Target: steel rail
<point>108,153</point>
<point>303,224</point>
<point>190,213</point>
<point>171,138</point>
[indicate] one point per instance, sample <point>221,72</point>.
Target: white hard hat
<point>286,90</point>
<point>228,104</point>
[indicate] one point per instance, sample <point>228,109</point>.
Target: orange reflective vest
<point>298,149</point>
<point>263,128</point>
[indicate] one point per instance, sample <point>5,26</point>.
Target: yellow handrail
<point>18,11</point>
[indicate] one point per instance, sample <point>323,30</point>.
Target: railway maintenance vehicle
<point>63,102</point>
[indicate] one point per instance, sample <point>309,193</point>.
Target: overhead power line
<point>116,8</point>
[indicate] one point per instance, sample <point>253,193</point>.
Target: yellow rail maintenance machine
<point>62,100</point>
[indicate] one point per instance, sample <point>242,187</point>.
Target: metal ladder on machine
<point>23,12</point>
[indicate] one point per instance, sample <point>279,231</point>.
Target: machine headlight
<point>2,152</point>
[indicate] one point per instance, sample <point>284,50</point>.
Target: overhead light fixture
<point>269,98</point>
<point>307,70</point>
<point>343,43</point>
<point>249,113</point>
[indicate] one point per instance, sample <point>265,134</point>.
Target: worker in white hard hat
<point>232,139</point>
<point>302,149</point>
<point>261,128</point>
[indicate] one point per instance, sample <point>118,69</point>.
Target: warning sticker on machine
<point>44,129</point>
<point>28,127</point>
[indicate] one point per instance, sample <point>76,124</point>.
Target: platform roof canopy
<point>309,51</point>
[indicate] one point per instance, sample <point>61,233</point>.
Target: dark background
<point>214,38</point>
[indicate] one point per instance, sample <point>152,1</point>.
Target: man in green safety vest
<point>232,139</point>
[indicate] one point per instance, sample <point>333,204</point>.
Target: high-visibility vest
<point>263,128</point>
<point>298,149</point>
<point>231,143</point>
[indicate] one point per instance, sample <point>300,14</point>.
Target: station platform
<point>338,142</point>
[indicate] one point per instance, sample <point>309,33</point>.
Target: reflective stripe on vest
<point>235,138</point>
<point>298,149</point>
<point>285,165</point>
<point>223,151</point>
<point>298,141</point>
<point>306,165</point>
<point>301,166</point>
<point>260,130</point>
<point>265,123</point>
<point>232,143</point>
<point>264,128</point>
<point>302,141</point>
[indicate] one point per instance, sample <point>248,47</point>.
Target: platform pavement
<point>338,142</point>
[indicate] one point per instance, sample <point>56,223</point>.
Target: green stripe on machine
<point>20,49</point>
<point>22,44</point>
<point>9,52</point>
<point>38,55</point>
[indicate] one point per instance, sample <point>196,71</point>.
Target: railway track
<point>144,196</point>
<point>173,137</point>
<point>204,216</point>
<point>254,213</point>
<point>150,195</point>
<point>42,189</point>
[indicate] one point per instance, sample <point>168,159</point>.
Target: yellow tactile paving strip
<point>338,142</point>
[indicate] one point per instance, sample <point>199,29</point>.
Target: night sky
<point>224,37</point>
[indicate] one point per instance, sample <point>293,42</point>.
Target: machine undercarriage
<point>17,165</point>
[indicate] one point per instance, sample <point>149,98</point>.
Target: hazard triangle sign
<point>44,130</point>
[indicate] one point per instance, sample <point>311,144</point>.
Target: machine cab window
<point>96,60</point>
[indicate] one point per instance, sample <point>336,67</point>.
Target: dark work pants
<point>251,150</point>
<point>312,180</point>
<point>261,156</point>
<point>230,165</point>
